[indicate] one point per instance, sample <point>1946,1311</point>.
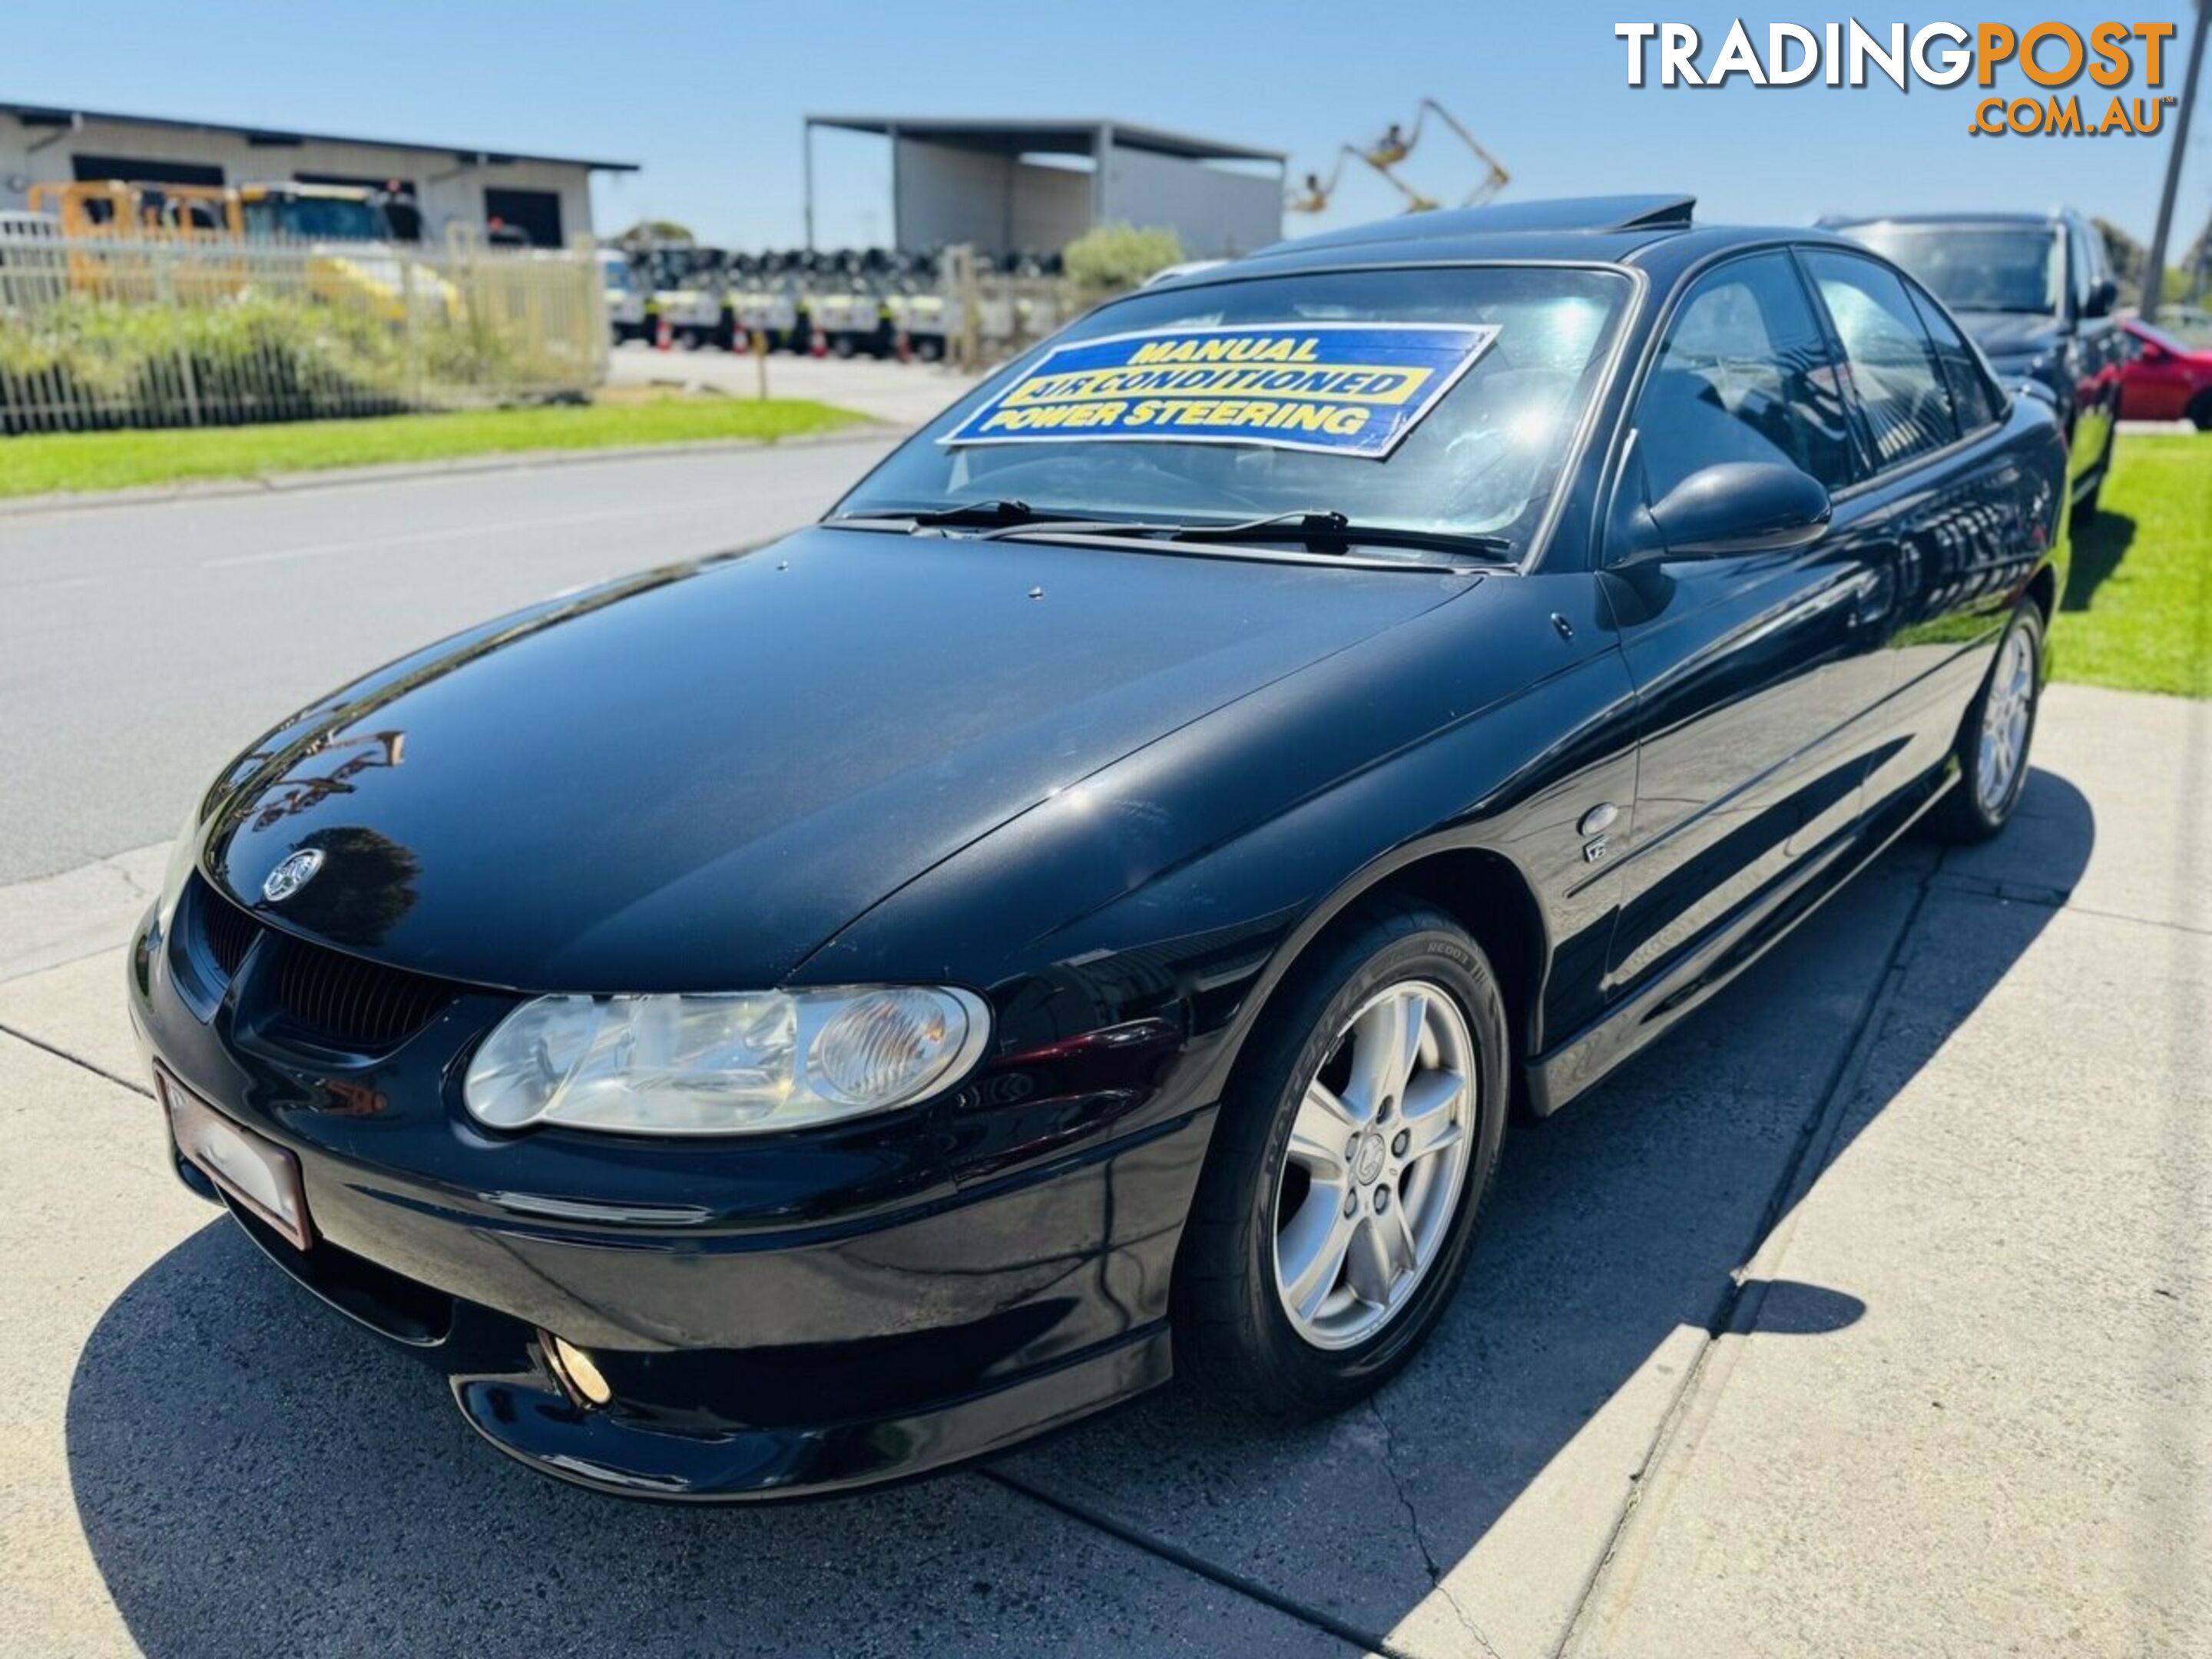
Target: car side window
<point>1745,374</point>
<point>1973,398</point>
<point>1891,361</point>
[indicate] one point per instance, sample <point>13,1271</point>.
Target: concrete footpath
<point>1869,1314</point>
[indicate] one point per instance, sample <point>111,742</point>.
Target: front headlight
<point>741,1064</point>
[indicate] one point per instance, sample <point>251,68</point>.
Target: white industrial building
<point>1006,186</point>
<point>548,198</point>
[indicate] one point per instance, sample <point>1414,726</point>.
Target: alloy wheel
<point>2004,748</point>
<point>1377,1157</point>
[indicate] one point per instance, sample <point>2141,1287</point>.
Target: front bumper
<point>686,1427</point>
<point>774,1321</point>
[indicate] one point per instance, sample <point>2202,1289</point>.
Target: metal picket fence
<point>147,329</point>
<point>989,316</point>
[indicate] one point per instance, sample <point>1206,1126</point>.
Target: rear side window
<point>1974,399</point>
<point>1744,375</point>
<point>1891,361</point>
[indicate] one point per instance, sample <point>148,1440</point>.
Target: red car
<point>2166,379</point>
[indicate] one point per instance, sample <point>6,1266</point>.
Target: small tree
<point>2126,255</point>
<point>649,233</point>
<point>1113,259</point>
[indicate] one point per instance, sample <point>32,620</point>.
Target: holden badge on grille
<point>294,873</point>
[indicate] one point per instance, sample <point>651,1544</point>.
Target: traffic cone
<point>819,345</point>
<point>664,337</point>
<point>740,341</point>
<point>905,348</point>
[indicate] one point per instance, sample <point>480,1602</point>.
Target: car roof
<point>1656,232</point>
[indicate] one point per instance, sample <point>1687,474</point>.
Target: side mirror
<point>1735,507</point>
<point>2102,298</point>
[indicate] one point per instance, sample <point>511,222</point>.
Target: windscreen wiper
<point>983,514</point>
<point>1326,529</point>
<point>1330,527</point>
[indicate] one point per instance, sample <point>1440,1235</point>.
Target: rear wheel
<point>1995,737</point>
<point>2200,411</point>
<point>1349,1165</point>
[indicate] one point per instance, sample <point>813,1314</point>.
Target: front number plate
<point>258,1176</point>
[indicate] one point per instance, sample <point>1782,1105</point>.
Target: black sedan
<point>1090,907</point>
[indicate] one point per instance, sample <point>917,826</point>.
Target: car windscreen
<point>1429,400</point>
<point>326,219</point>
<point>1976,267</point>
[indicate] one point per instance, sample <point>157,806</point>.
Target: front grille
<point>343,1002</point>
<point>324,997</point>
<point>227,932</point>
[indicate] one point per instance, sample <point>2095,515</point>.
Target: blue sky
<point>709,97</point>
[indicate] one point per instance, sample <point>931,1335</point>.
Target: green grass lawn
<point>2138,609</point>
<point>114,460</point>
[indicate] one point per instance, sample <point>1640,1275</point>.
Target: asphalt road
<point>141,646</point>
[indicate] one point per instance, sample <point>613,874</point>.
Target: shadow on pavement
<point>254,1474</point>
<point>2099,545</point>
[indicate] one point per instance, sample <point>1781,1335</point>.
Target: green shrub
<point>112,363</point>
<point>1113,259</point>
<point>94,363</point>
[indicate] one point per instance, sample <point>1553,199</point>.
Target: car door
<point>1947,516</point>
<point>2098,349</point>
<point>1754,673</point>
<point>2159,382</point>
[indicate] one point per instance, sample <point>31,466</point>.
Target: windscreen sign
<point>1341,388</point>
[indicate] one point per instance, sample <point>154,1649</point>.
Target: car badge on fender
<point>294,873</point>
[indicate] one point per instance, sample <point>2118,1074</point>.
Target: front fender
<point>1183,881</point>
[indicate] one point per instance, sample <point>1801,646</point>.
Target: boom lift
<point>1387,152</point>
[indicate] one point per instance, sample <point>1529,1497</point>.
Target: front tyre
<point>1995,737</point>
<point>1348,1167</point>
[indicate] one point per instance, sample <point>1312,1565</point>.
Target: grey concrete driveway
<point>1871,1313</point>
<point>904,394</point>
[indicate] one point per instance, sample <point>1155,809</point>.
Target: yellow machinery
<point>1387,152</point>
<point>352,258</point>
<point>108,207</point>
<point>94,211</point>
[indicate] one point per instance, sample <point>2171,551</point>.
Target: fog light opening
<point>576,1371</point>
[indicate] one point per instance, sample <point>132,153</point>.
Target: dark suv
<point>2036,293</point>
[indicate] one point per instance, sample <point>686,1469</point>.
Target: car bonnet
<point>689,779</point>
